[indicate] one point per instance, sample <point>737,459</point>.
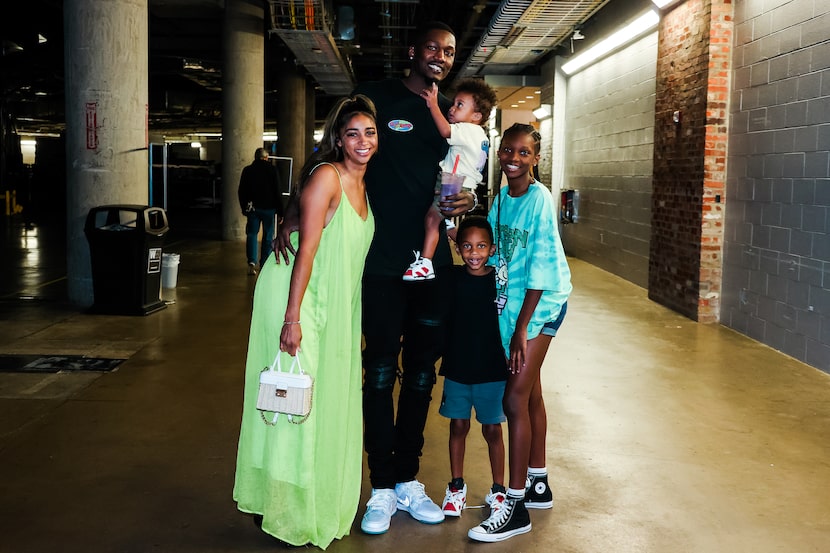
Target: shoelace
<point>381,501</point>
<point>415,490</point>
<point>455,497</point>
<point>500,512</point>
<point>416,265</point>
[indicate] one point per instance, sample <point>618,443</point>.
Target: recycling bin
<point>125,246</point>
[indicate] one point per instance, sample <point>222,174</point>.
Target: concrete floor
<point>664,435</point>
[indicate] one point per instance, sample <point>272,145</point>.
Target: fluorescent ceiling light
<point>633,30</point>
<point>542,112</point>
<point>195,144</point>
<point>663,3</point>
<point>47,134</point>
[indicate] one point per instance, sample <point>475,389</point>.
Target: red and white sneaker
<point>454,501</point>
<point>420,269</point>
<point>491,495</point>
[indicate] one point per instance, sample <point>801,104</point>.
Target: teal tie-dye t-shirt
<point>529,257</point>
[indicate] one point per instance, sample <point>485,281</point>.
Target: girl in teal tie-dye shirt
<point>534,282</point>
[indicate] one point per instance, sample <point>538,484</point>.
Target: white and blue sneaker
<point>379,510</point>
<point>413,499</point>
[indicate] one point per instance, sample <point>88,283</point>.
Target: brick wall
<point>689,158</point>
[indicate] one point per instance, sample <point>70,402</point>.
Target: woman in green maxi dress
<point>304,479</point>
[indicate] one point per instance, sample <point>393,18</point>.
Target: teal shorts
<point>458,401</point>
<point>551,328</point>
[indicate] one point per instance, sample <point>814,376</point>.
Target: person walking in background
<point>302,481</point>
<point>463,127</point>
<point>473,365</point>
<point>533,284</point>
<point>259,198</point>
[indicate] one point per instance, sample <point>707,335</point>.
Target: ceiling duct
<point>306,30</point>
<point>502,24</point>
<point>523,31</point>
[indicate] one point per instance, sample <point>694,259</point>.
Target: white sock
<point>515,494</point>
<point>534,471</point>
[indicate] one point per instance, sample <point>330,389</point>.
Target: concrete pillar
<point>292,125</point>
<point>243,103</point>
<point>105,64</point>
<point>310,114</point>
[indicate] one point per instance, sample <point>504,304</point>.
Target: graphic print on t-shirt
<point>400,125</point>
<point>501,285</point>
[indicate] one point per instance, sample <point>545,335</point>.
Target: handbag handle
<point>294,363</point>
<point>277,364</point>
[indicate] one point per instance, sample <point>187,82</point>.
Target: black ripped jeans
<point>406,318</point>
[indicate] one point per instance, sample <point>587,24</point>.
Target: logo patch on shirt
<point>400,125</point>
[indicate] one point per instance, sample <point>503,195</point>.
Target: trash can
<point>169,269</point>
<point>125,246</point>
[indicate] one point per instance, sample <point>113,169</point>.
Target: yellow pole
<point>15,208</point>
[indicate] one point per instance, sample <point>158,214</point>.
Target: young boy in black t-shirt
<point>474,365</point>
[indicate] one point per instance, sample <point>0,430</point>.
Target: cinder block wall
<point>776,274</point>
<point>609,140</point>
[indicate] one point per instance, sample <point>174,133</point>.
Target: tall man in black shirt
<point>398,316</point>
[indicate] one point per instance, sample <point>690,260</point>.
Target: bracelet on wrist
<point>291,322</point>
<point>475,200</point>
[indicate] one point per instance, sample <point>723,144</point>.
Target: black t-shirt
<point>401,177</point>
<point>260,184</point>
<point>473,352</point>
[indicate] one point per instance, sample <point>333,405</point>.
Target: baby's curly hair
<point>483,95</point>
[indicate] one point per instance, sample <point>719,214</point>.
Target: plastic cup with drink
<point>451,183</point>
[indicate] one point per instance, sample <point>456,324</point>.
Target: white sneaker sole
<point>417,278</point>
<point>425,520</point>
<point>374,530</point>
<point>475,534</point>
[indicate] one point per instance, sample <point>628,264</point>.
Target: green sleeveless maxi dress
<point>304,479</point>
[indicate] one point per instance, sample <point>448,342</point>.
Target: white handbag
<point>286,392</point>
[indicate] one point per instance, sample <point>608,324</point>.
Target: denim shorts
<point>550,328</point>
<point>458,400</point>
